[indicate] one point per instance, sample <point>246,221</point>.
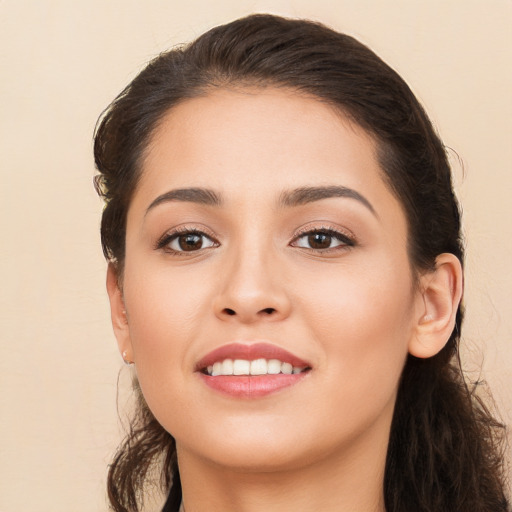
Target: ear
<point>441,293</point>
<point>118,314</point>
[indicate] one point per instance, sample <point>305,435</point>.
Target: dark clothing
<point>170,506</point>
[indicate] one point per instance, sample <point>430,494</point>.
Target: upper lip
<point>250,352</point>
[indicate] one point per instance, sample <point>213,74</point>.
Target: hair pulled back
<point>445,450</point>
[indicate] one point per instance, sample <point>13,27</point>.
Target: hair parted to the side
<point>446,450</point>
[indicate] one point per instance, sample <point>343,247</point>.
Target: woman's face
<point>262,229</point>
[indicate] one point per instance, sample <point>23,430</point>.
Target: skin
<point>353,311</point>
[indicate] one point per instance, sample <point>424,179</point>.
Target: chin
<point>246,446</point>
<point>257,457</point>
<point>257,447</point>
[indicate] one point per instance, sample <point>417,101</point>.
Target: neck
<point>343,482</point>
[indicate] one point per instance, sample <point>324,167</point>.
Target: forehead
<point>255,143</point>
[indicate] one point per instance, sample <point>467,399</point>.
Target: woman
<point>285,274</point>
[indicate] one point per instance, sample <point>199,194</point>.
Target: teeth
<point>259,367</point>
<point>255,367</point>
<point>274,366</point>
<point>217,369</point>
<point>241,367</point>
<point>287,368</point>
<point>227,367</point>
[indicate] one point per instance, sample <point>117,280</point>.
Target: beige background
<point>61,63</point>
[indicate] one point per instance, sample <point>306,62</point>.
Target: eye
<point>322,240</point>
<point>186,241</point>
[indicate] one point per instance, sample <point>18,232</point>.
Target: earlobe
<point>441,293</point>
<point>118,314</point>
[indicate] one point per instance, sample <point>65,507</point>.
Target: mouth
<point>251,371</point>
<point>253,368</point>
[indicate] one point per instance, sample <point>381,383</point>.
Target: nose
<point>253,289</point>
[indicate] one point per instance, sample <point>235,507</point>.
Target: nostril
<point>265,311</point>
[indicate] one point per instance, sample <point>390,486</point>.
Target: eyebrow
<point>289,198</point>
<point>192,195</point>
<point>305,195</point>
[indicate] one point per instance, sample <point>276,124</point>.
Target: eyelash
<point>346,240</point>
<point>164,242</point>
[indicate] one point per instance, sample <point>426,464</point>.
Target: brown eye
<point>187,242</point>
<point>190,242</point>
<point>319,240</point>
<point>322,240</point>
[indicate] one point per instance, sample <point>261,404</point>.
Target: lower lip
<point>251,386</point>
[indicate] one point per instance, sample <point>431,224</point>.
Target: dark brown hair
<point>446,451</point>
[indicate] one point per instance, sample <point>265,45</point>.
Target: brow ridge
<point>191,194</point>
<point>305,195</point>
<point>290,198</point>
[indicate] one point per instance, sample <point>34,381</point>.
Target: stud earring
<point>125,358</point>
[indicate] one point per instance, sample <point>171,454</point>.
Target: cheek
<point>364,321</point>
<point>363,327</point>
<point>164,311</point>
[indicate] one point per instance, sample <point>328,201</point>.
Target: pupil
<point>190,242</point>
<point>319,240</point>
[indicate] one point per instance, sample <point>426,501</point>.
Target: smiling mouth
<point>256,367</point>
<point>251,370</point>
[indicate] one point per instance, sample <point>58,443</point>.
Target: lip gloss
<point>251,386</point>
